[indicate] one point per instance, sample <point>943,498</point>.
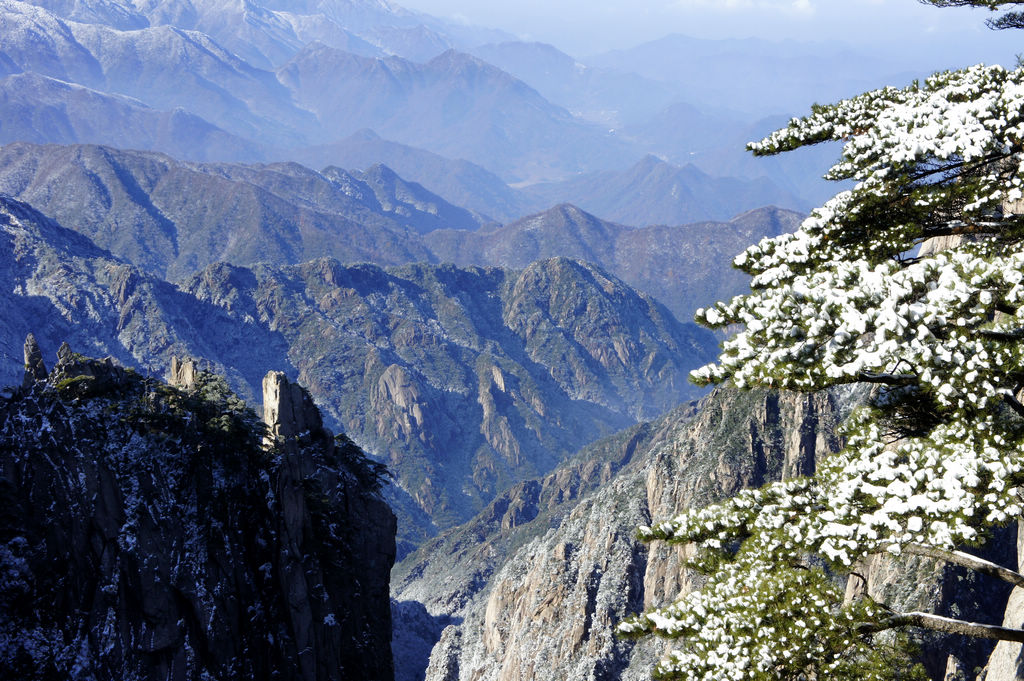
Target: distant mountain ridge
<point>269,33</point>
<point>463,183</point>
<point>162,66</point>
<point>295,79</point>
<point>756,75</point>
<point>43,110</point>
<point>611,98</point>
<point>455,105</point>
<point>683,266</point>
<point>653,192</point>
<point>175,218</point>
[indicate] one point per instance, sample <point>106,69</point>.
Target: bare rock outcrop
<point>288,410</point>
<point>1007,660</point>
<point>150,532</point>
<point>183,373</point>
<point>35,369</point>
<point>559,564</point>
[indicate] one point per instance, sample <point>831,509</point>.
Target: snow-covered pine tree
<point>862,294</point>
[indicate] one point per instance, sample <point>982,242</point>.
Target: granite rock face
<point>150,532</point>
<point>1006,663</point>
<point>35,369</point>
<point>537,582</point>
<point>533,586</point>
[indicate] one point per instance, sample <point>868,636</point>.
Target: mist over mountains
<point>262,82</point>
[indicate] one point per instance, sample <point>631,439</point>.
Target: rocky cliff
<point>60,286</point>
<point>1006,663</point>
<point>538,580</point>
<point>154,531</point>
<point>533,586</point>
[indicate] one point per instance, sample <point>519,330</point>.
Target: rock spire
<point>35,369</point>
<point>288,410</point>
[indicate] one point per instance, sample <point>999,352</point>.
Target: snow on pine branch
<point>934,321</point>
<point>942,155</point>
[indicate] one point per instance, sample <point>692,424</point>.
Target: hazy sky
<point>583,27</point>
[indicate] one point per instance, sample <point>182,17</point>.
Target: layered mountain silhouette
<point>654,192</point>
<point>455,105</point>
<point>35,108</point>
<point>613,98</point>
<point>754,75</point>
<point>463,183</point>
<point>262,80</point>
<point>163,66</point>
<point>175,218</point>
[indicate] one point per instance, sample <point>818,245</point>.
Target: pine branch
<point>966,560</point>
<point>1008,20</point>
<point>959,230</point>
<point>946,625</point>
<point>1014,335</point>
<point>1014,404</point>
<point>887,379</point>
<point>965,167</point>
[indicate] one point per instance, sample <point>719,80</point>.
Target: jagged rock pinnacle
<point>35,369</point>
<point>288,410</point>
<point>64,353</point>
<point>183,373</point>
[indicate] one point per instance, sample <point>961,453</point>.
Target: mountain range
<point>222,81</point>
<point>683,266</point>
<point>174,218</point>
<point>464,379</point>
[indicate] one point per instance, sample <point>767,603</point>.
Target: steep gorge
<point>536,583</point>
<point>533,587</point>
